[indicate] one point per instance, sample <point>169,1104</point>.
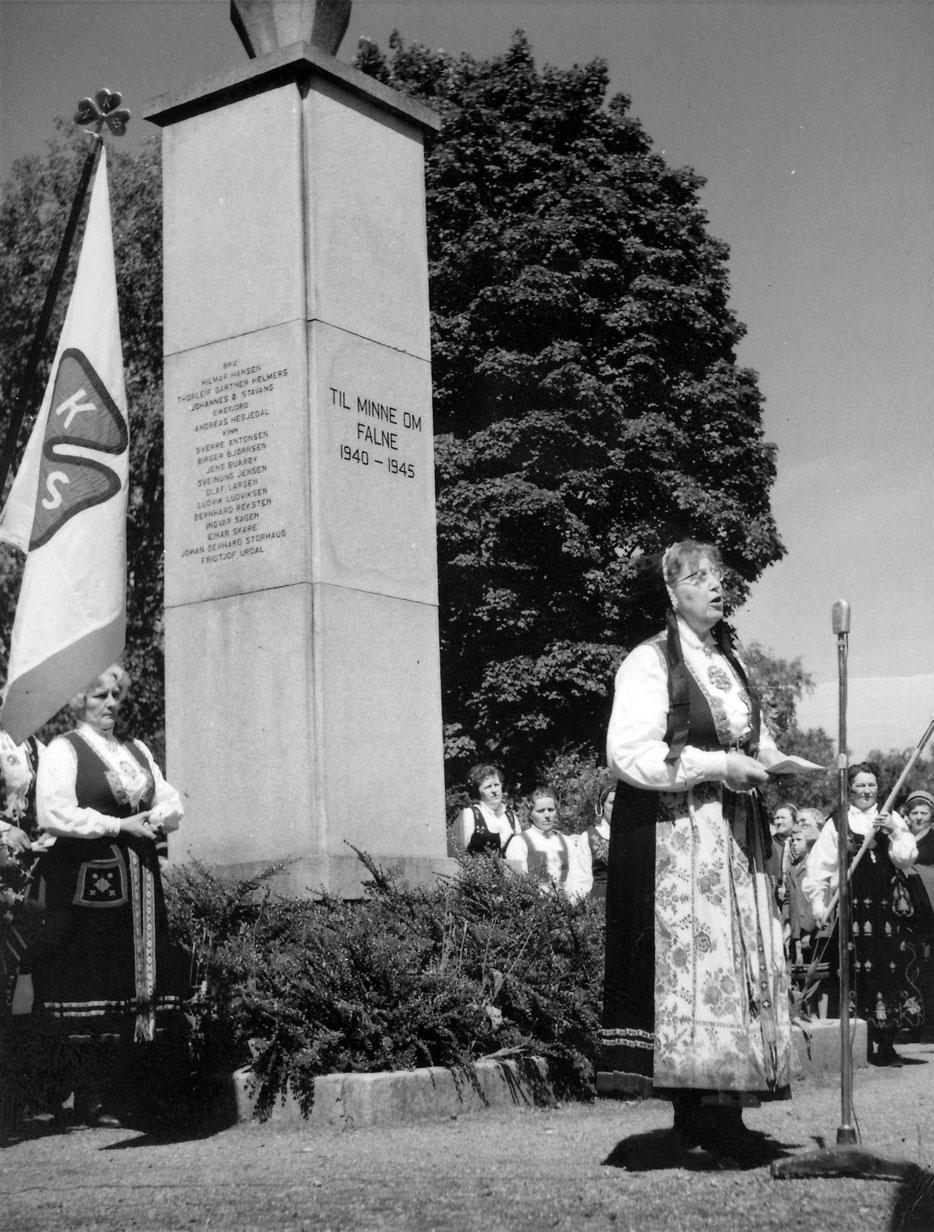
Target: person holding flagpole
<point>884,946</point>
<point>104,970</point>
<point>102,967</point>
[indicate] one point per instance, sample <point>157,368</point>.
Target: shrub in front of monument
<point>481,965</point>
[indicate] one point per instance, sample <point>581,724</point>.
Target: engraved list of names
<point>234,509</point>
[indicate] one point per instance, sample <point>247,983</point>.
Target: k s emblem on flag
<point>83,419</point>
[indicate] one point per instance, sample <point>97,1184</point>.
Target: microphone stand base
<point>851,1161</point>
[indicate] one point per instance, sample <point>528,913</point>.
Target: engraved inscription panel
<point>373,462</point>
<point>264,490</point>
<point>234,461</point>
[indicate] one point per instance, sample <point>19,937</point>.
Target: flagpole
<point>45,317</point>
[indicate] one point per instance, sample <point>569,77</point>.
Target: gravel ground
<point>603,1166</point>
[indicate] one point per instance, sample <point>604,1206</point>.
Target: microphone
<point>841,617</point>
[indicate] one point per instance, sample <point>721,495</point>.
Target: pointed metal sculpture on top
<point>847,1158</point>
<point>104,110</point>
<point>265,25</point>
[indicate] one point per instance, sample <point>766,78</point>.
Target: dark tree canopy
<point>588,404</point>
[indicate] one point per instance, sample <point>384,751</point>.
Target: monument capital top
<point>300,63</point>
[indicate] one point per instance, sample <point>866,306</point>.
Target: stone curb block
<point>818,1052</point>
<point>405,1097</point>
<point>352,1101</point>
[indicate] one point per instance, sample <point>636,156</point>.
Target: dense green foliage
<point>588,405</point>
<point>781,684</point>
<point>35,204</point>
<point>481,965</point>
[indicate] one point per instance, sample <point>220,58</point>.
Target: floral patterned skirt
<point>711,1010</point>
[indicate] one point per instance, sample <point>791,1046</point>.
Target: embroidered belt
<point>675,804</point>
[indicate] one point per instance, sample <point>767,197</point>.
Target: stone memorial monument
<point>301,624</point>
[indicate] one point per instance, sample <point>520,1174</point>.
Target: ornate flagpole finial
<point>103,108</point>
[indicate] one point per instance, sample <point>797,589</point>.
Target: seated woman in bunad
<point>557,861</point>
<point>918,811</point>
<point>105,974</point>
<point>696,993</point>
<point>883,945</point>
<point>598,839</point>
<point>488,824</point>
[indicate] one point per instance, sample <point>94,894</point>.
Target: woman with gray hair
<point>104,971</point>
<point>696,996</point>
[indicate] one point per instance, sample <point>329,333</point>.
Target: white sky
<point>814,125</point>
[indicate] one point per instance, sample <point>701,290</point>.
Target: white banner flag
<point>67,505</point>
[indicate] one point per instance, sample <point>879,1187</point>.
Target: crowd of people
<point>891,915</point>
<point>533,841</point>
<point>892,976</point>
<point>719,921</point>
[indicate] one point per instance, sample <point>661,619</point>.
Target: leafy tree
<point>589,407</point>
<point>811,790</point>
<point>781,684</point>
<point>588,404</point>
<point>35,203</point>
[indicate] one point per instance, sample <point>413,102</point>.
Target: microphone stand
<point>846,1131</point>
<point>846,1158</point>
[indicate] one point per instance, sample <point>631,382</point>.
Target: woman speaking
<point>696,993</point>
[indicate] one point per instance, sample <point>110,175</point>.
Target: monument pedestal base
<point>340,876</point>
